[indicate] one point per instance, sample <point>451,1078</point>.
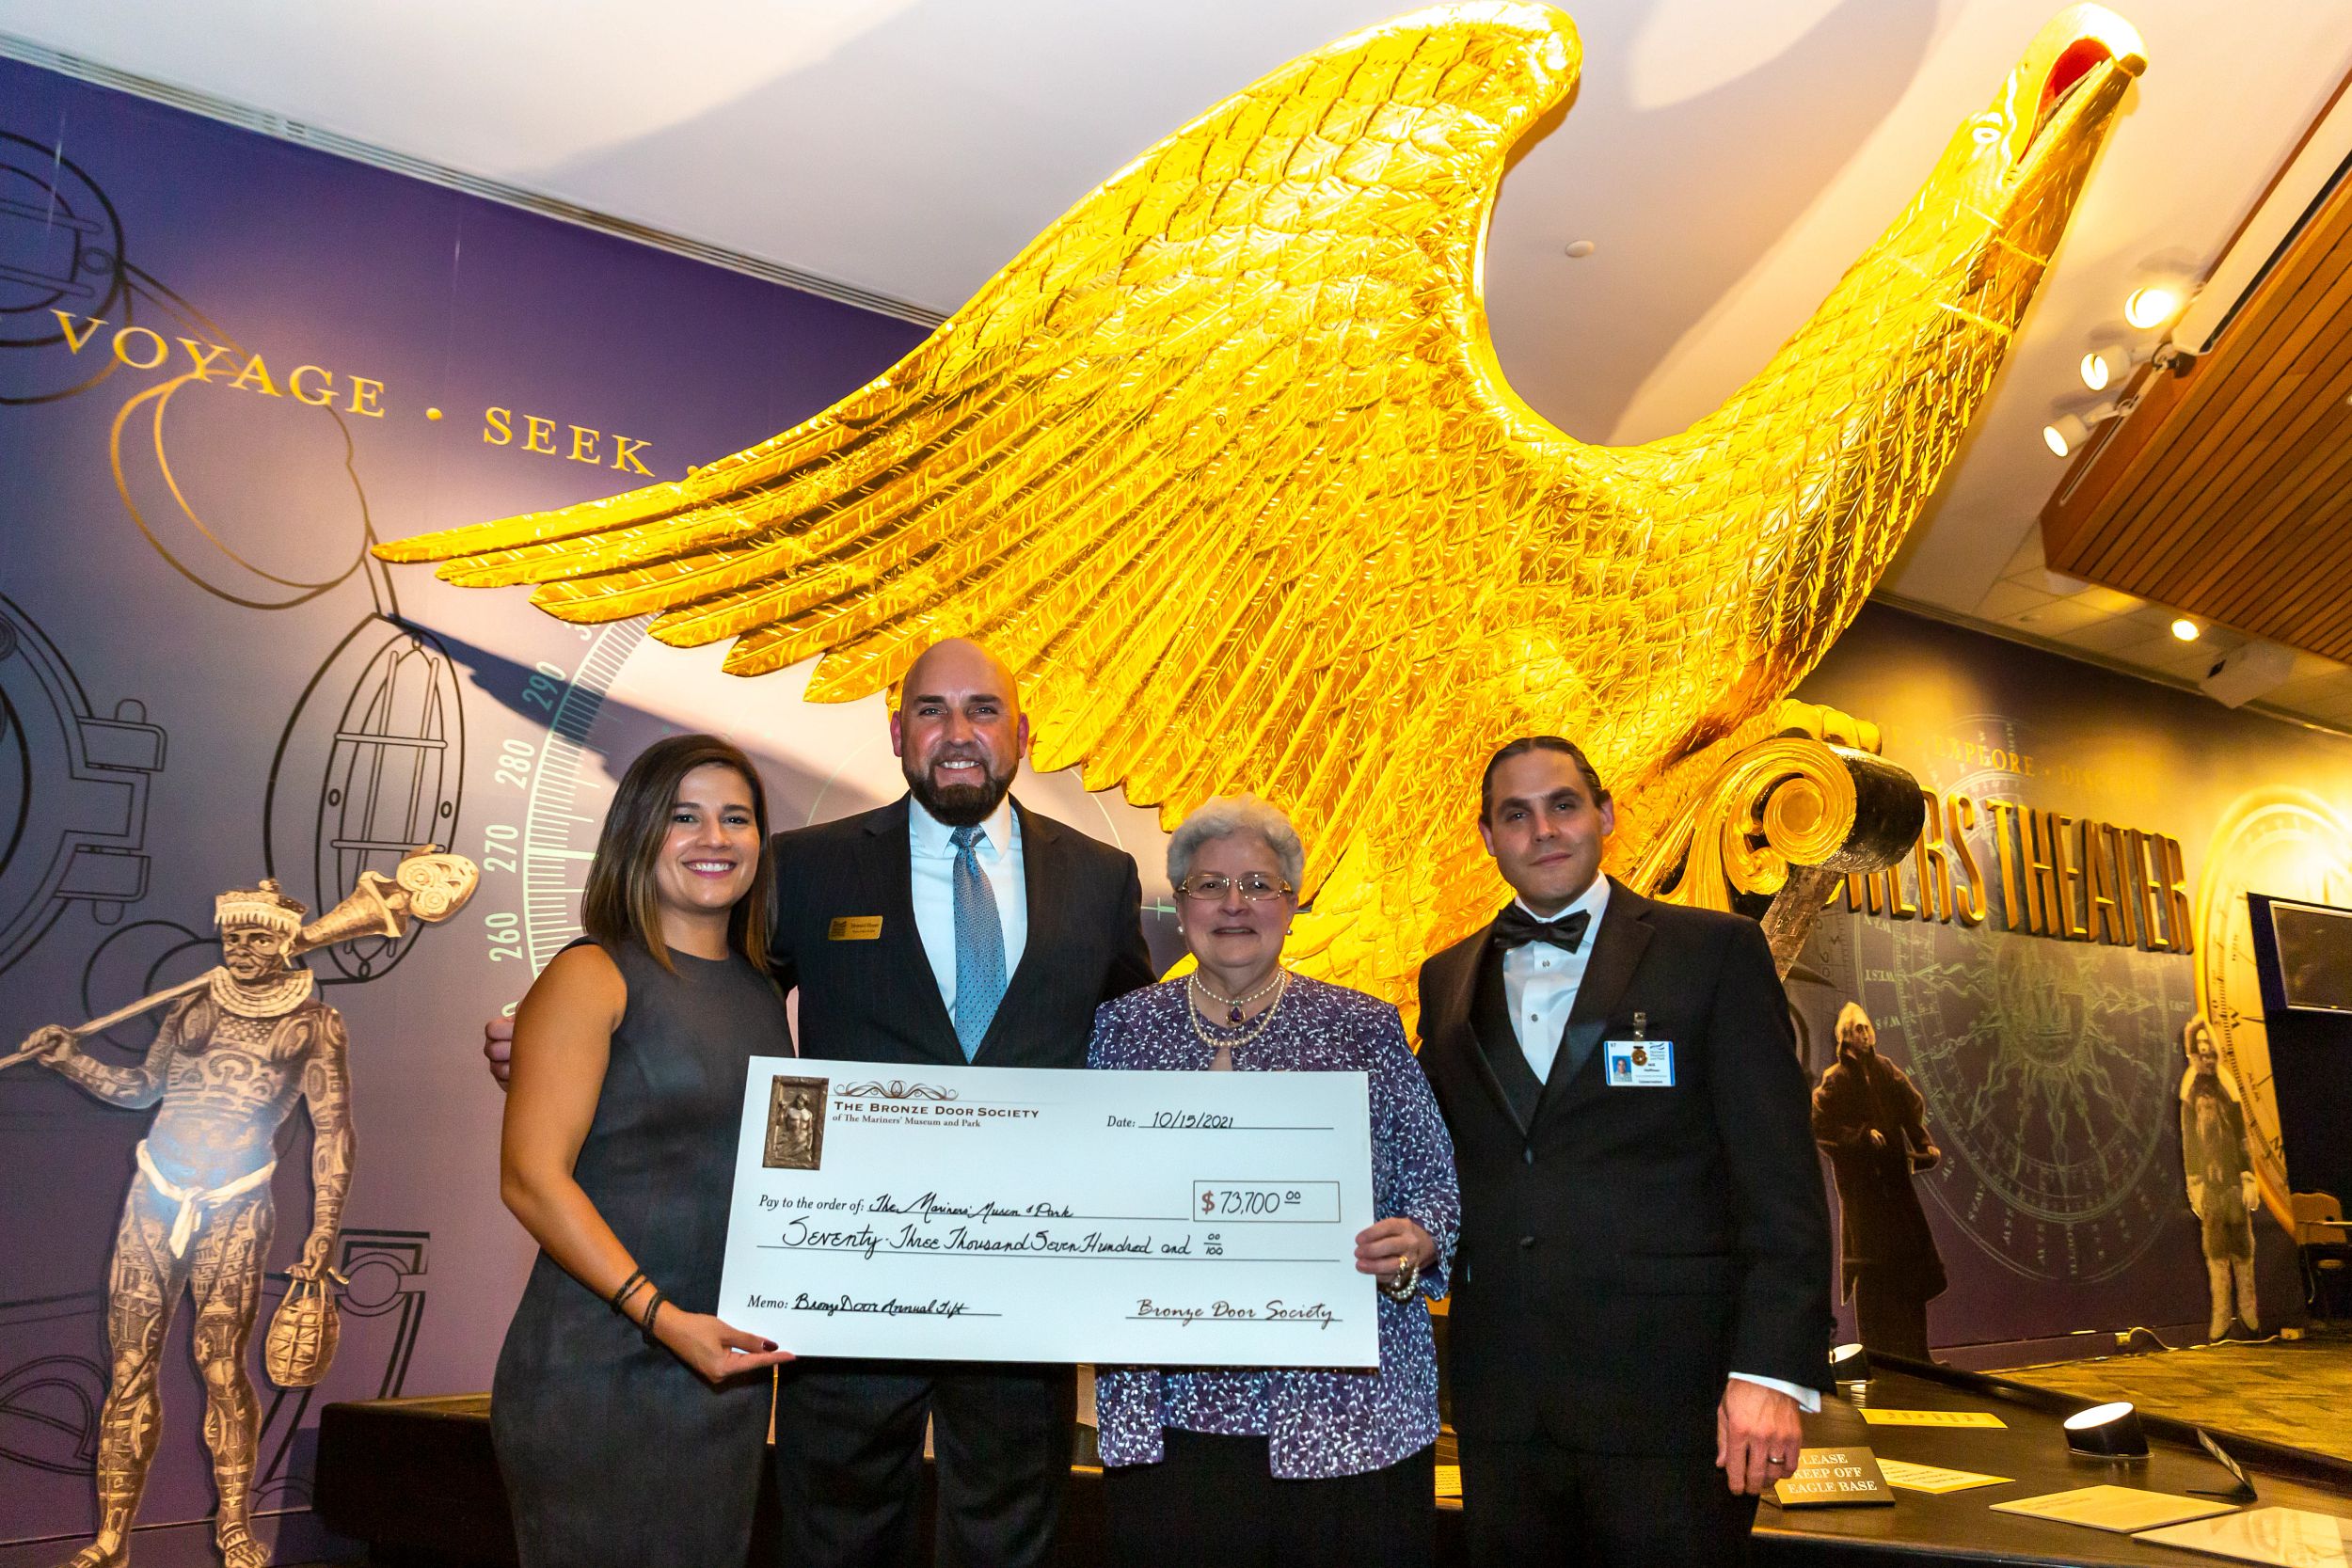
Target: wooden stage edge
<point>415,1479</point>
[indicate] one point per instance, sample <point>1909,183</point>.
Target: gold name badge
<point>855,927</point>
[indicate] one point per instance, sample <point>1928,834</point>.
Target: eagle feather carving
<point>1224,465</point>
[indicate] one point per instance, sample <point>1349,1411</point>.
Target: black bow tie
<point>1516,928</point>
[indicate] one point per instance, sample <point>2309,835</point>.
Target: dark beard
<point>959,805</point>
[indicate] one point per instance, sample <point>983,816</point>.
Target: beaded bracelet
<point>1401,1289</point>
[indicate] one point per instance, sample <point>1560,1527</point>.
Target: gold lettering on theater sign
<point>581,446</point>
<point>2038,873</point>
<point>142,348</point>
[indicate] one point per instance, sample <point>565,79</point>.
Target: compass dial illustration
<point>2288,844</point>
<point>565,799</point>
<point>2048,1066</point>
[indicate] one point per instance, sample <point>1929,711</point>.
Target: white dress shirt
<point>1539,985</point>
<point>932,859</point>
<point>1540,981</point>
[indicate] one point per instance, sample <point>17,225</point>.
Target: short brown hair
<point>619,905</point>
<point>1525,744</point>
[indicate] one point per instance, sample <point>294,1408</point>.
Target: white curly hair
<point>1228,815</point>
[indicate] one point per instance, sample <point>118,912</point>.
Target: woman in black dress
<point>626,1425</point>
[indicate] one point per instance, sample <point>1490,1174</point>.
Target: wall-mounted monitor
<point>2303,958</point>
<point>2314,944</point>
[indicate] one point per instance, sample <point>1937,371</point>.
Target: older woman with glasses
<point>1266,1466</point>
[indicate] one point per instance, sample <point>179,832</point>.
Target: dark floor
<point>2292,1391</point>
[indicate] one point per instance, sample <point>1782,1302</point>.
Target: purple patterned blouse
<point>1317,1423</point>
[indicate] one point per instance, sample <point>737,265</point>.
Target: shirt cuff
<point>1808,1399</point>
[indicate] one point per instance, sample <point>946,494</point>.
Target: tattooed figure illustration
<point>225,1070</point>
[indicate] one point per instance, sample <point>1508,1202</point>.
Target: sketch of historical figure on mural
<point>2219,1169</point>
<point>226,1070</point>
<point>1872,1123</point>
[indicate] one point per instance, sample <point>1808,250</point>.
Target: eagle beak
<point>2082,48</point>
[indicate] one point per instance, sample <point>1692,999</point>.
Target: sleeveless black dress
<point>613,1451</point>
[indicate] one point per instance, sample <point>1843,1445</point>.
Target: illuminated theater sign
<point>2041,873</point>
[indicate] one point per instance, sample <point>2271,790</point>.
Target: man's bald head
<point>958,730</point>
<point>958,664</point>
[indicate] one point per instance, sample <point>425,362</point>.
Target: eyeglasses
<point>1207,888</point>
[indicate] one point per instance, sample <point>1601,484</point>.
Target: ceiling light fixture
<point>2109,364</point>
<point>2154,304</point>
<point>2186,629</point>
<point>2066,434</point>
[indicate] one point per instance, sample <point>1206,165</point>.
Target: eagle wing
<point>1216,461</point>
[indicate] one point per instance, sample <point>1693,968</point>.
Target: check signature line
<point>1162,1317</point>
<point>1038,1256</point>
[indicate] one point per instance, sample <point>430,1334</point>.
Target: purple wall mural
<point>2050,1065</point>
<point>226,366</point>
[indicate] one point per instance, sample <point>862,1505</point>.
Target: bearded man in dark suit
<point>1000,932</point>
<point>1641,1307</point>
<point>953,925</point>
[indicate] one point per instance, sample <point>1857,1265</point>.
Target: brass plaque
<point>796,1124</point>
<point>855,927</point>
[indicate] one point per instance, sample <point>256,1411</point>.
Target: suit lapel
<point>1618,947</point>
<point>887,866</point>
<point>1040,872</point>
<point>1459,1033</point>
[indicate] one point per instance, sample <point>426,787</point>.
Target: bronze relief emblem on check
<point>796,1124</point>
<point>854,927</point>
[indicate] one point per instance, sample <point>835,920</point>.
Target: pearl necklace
<point>1233,1004</point>
<point>1280,987</point>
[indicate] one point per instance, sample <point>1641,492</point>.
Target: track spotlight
<point>2154,304</point>
<point>2109,365</point>
<point>2066,434</point>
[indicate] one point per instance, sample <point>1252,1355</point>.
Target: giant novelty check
<point>1022,1214</point>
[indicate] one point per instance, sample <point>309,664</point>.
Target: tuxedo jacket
<point>843,933</point>
<point>1625,1249</point>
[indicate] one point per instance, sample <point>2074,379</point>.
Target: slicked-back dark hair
<point>619,904</point>
<point>1527,743</point>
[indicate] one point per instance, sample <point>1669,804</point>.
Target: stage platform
<point>2293,1391</point>
<point>415,1478</point>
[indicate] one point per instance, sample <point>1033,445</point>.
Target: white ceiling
<point>1727,158</point>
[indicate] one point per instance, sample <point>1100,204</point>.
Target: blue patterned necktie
<point>979,944</point>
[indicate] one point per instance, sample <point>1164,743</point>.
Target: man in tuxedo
<point>1641,1304</point>
<point>953,925</point>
